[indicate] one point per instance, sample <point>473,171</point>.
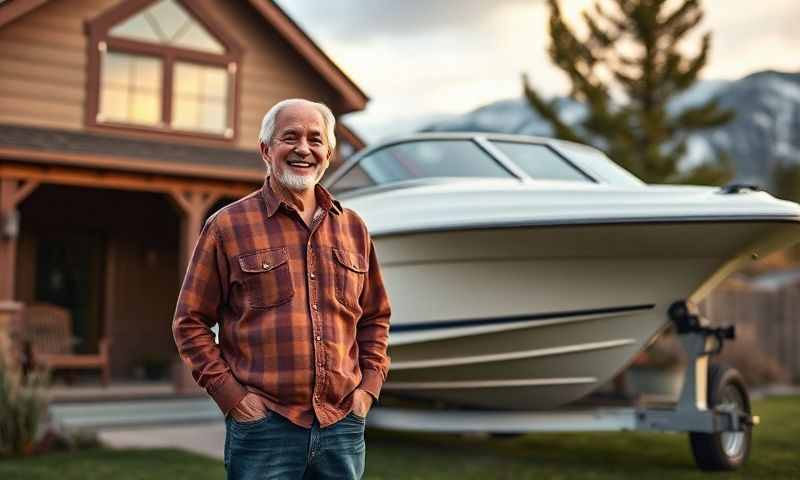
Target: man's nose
<point>302,148</point>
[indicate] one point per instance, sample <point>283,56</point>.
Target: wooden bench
<point>48,330</point>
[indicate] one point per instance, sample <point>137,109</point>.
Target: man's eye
<point>316,141</point>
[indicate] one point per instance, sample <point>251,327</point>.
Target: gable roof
<point>354,99</point>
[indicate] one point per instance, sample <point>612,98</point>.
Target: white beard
<point>300,183</point>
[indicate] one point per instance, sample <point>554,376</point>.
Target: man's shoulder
<point>351,217</point>
<point>224,218</point>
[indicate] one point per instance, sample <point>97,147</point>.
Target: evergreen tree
<point>626,70</point>
<point>786,181</point>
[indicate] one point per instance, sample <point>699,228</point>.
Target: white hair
<point>270,118</point>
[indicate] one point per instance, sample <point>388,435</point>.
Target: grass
<point>415,456</point>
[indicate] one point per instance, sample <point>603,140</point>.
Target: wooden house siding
<point>43,57</point>
<point>43,60</point>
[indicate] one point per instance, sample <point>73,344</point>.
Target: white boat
<point>526,272</point>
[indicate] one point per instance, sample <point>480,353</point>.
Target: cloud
<point>360,20</point>
<point>416,57</point>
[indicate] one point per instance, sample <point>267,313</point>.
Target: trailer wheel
<point>723,450</point>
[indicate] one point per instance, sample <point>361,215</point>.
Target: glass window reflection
<point>200,98</point>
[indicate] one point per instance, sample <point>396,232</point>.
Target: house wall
<point>43,57</point>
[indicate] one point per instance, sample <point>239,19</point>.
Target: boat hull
<point>535,317</point>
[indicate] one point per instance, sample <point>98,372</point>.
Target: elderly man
<point>293,282</point>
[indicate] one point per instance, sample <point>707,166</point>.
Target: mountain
<point>765,132</point>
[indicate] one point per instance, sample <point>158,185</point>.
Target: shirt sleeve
<point>373,329</point>
<point>199,305</point>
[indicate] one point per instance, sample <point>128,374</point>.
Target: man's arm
<point>372,332</point>
<point>202,295</point>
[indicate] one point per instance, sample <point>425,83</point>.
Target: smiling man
<point>293,282</point>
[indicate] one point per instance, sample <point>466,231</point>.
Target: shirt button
<point>315,306</point>
<point>319,338</point>
<point>265,266</point>
<point>312,275</point>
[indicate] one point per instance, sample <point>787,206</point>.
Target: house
<point>123,126</point>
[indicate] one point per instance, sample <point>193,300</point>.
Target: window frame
<point>100,42</point>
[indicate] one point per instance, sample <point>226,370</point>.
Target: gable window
<point>161,65</point>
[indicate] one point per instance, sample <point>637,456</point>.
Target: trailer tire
<point>723,450</point>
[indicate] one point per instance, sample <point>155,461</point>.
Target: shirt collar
<point>274,199</point>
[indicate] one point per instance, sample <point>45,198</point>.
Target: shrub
<point>23,405</point>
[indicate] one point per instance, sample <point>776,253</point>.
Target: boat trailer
<point>713,406</point>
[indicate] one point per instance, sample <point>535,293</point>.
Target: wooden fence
<point>766,312</point>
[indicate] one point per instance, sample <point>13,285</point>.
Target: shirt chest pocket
<point>349,271</point>
<point>267,278</point>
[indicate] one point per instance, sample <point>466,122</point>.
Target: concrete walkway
<point>205,439</point>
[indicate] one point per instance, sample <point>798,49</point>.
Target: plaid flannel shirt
<point>302,311</point>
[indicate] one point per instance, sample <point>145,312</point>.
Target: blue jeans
<point>275,448</point>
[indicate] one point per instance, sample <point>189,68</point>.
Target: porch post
<point>193,206</point>
<point>9,329</point>
<point>12,193</point>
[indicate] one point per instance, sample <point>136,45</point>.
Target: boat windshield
<point>421,159</point>
<point>598,164</point>
<point>540,161</point>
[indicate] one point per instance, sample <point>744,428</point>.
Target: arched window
<point>162,66</point>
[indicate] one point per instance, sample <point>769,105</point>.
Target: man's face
<point>298,154</point>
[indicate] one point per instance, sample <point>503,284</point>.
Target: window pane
<point>431,158</point>
<point>114,104</point>
<point>136,28</point>
<point>185,113</point>
<point>214,118</point>
<point>200,101</point>
<point>130,90</point>
<point>168,23</point>
<point>540,162</point>
<point>145,108</point>
<point>169,17</point>
<point>355,178</point>
<point>215,83</point>
<point>186,79</point>
<point>196,37</point>
<point>147,74</point>
<point>599,165</point>
<point>116,69</point>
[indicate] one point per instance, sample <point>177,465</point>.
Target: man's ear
<point>264,147</point>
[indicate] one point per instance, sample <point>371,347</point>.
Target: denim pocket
<point>356,417</point>
<point>250,423</point>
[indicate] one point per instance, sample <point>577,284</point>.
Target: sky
<point>422,58</point>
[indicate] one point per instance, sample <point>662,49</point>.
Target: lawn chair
<point>48,330</point>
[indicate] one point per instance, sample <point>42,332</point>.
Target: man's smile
<point>300,164</point>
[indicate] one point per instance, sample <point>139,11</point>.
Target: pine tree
<point>626,70</point>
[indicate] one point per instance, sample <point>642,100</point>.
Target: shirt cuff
<point>227,394</point>
<point>371,382</point>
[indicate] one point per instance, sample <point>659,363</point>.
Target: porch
<point>109,247</point>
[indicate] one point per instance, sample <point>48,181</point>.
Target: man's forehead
<point>300,117</point>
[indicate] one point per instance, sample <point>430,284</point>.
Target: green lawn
<point>412,456</point>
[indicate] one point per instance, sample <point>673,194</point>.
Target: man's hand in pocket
<point>251,408</point>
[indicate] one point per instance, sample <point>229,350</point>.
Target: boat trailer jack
<point>692,412</point>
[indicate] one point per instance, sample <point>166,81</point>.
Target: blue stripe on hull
<point>474,322</point>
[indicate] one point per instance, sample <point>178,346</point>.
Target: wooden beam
<point>108,162</point>
<point>194,205</point>
<point>96,178</point>
<point>24,189</point>
<point>12,192</point>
